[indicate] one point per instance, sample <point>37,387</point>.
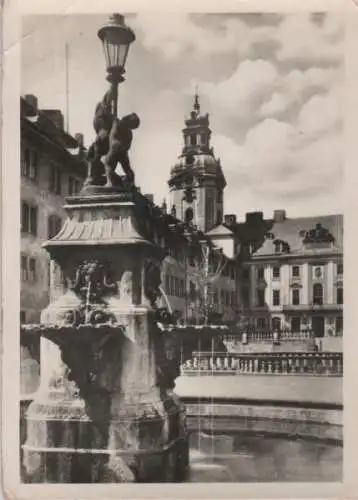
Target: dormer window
<point>281,246</point>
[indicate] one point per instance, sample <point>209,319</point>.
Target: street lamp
<point>116,38</point>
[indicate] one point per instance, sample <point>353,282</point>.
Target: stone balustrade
<point>269,336</point>
<point>281,363</point>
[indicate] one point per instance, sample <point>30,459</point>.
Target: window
<point>210,208</point>
<point>340,295</point>
<point>317,294</point>
<point>261,323</point>
<point>339,325</point>
<point>276,324</point>
<point>28,269</point>
<point>54,225</point>
<point>296,271</point>
<point>192,140</point>
<point>260,273</point>
<point>73,185</point>
<point>28,218</point>
<point>260,298</point>
<point>55,179</point>
<point>276,297</point>
<point>317,272</point>
<point>189,215</point>
<point>340,268</point>
<point>295,297</point>
<point>24,270</point>
<point>296,324</point>
<point>32,269</point>
<point>278,246</point>
<point>192,292</point>
<point>276,272</point>
<point>29,164</point>
<point>22,317</point>
<point>245,297</point>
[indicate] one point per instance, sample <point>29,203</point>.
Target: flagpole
<point>67,90</point>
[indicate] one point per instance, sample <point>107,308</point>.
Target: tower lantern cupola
<point>197,180</point>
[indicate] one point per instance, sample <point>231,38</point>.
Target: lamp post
<point>116,38</point>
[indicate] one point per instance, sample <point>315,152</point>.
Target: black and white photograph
<point>181,247</point>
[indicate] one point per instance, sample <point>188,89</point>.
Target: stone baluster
<point>284,365</point>
<point>324,364</point>
<point>245,364</point>
<point>276,365</point>
<point>211,363</point>
<point>305,364</point>
<point>226,363</point>
<point>218,363</point>
<point>331,365</point>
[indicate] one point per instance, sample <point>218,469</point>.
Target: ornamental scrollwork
<point>93,281</point>
<point>318,234</point>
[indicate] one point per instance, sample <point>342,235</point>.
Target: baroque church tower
<point>197,181</point>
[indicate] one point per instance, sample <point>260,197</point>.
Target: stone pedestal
<point>104,412</point>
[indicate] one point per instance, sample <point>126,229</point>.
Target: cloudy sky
<point>271,83</point>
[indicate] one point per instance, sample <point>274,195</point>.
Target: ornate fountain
<point>105,410</point>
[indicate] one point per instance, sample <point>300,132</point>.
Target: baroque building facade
<point>52,167</point>
<point>292,276</point>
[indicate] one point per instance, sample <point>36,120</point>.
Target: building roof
<point>220,230</point>
<point>294,231</point>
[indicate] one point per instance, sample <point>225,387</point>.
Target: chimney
<point>55,116</point>
<point>279,215</point>
<point>150,197</point>
<point>32,101</point>
<point>80,139</point>
<point>229,219</point>
<point>254,217</point>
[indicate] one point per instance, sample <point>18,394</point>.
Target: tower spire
<point>196,101</point>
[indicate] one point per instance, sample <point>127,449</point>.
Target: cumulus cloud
<point>302,41</point>
<point>283,145</point>
<point>273,91</point>
<point>245,90</point>
<point>174,35</point>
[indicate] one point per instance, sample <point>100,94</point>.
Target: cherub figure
<point>102,123</point>
<point>113,141</point>
<point>120,140</point>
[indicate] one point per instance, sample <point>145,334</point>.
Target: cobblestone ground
<point>317,389</point>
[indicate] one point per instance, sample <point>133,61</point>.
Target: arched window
<point>189,215</point>
<point>276,324</point>
<point>317,294</point>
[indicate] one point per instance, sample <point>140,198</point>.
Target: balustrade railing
<point>282,363</point>
<point>269,336</point>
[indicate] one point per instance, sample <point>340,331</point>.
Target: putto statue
<point>111,146</point>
